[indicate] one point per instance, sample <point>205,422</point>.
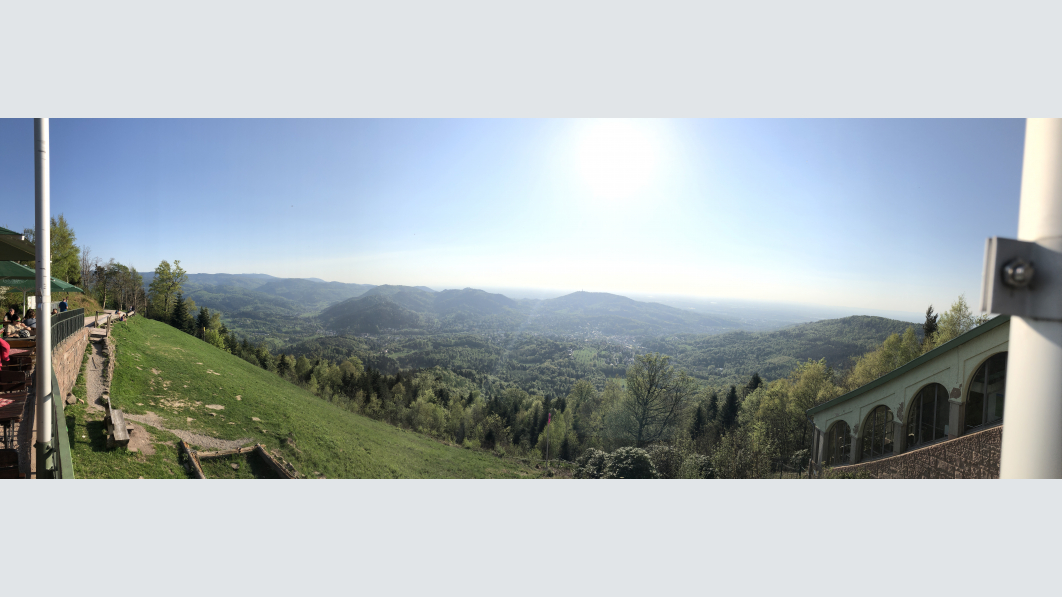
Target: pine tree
<point>711,410</point>
<point>729,412</point>
<point>180,313</point>
<point>699,424</point>
<point>202,321</point>
<point>754,383</point>
<point>930,326</point>
<point>566,449</point>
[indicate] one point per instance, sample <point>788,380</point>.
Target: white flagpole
<point>1032,417</point>
<point>43,240</point>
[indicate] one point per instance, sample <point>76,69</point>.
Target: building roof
<point>15,247</point>
<point>936,352</point>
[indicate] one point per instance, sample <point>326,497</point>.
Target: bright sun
<point>617,158</point>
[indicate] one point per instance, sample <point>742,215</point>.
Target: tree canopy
<point>65,254</point>
<point>165,286</point>
<point>656,400</point>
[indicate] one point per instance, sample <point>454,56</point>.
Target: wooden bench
<point>117,430</point>
<point>21,362</point>
<point>13,381</point>
<point>22,342</point>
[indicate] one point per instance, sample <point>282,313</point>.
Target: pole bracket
<point>1021,278</point>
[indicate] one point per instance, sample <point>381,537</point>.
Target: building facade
<point>939,415</point>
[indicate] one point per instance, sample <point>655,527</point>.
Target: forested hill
<point>314,295</point>
<point>263,294</point>
<point>613,314</point>
<point>737,355</point>
<point>473,310</point>
<point>412,309</point>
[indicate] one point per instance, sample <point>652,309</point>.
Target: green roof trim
<point>991,324</point>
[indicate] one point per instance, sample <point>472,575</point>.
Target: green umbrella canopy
<point>13,275</point>
<point>64,287</point>
<point>15,247</point>
<point>10,269</point>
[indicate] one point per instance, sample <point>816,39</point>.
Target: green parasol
<point>20,277</point>
<point>14,275</point>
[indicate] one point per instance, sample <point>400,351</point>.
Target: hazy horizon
<point>794,311</point>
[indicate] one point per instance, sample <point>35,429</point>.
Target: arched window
<point>984,401</point>
<point>877,433</point>
<point>927,419</point>
<point>838,444</point>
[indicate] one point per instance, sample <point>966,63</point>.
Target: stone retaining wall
<point>66,362</point>
<point>973,456</point>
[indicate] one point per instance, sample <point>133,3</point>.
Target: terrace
<point>18,401</point>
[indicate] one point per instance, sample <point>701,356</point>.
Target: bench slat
<point>117,432</point>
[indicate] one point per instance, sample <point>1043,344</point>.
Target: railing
<point>55,455</point>
<point>62,464</point>
<point>66,324</point>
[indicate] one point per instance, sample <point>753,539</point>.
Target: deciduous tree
<point>953,323</point>
<point>166,284</point>
<point>656,399</point>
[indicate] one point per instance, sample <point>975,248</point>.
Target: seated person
<point>55,311</point>
<point>31,321</point>
<point>10,315</point>
<point>16,329</point>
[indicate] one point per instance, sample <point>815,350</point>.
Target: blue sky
<point>878,214</point>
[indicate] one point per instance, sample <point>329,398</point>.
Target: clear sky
<point>882,214</point>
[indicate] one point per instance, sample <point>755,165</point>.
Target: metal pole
<point>43,238</point>
<point>1032,430</point>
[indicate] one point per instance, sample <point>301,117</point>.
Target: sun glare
<point>617,158</point>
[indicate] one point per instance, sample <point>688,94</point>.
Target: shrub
<point>799,460</point>
<point>743,453</point>
<point>569,447</point>
<point>629,463</point>
<point>696,466</point>
<point>591,465</point>
<point>667,461</point>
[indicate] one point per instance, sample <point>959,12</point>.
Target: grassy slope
<point>93,460</point>
<point>313,435</point>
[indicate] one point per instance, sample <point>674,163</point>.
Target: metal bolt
<point>1018,273</point>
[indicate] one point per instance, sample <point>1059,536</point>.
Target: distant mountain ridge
<point>293,296</point>
<point>471,309</point>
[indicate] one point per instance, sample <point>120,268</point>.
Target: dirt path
<point>196,439</point>
<point>94,372</point>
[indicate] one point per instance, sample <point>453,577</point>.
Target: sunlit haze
<point>867,214</point>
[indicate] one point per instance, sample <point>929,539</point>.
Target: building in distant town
<point>938,416</point>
